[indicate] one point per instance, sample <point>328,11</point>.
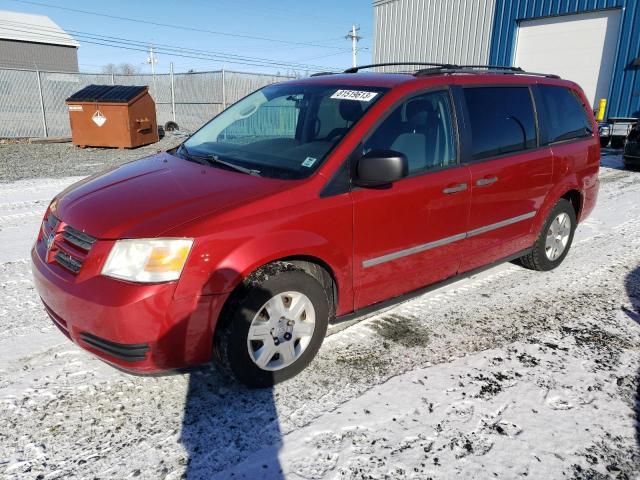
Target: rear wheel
<point>274,330</point>
<point>554,241</point>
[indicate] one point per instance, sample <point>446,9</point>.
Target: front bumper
<point>136,327</point>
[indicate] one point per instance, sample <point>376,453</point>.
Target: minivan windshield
<point>281,131</point>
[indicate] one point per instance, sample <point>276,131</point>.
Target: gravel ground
<point>55,160</point>
<point>508,374</point>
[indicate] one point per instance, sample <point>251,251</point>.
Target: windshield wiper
<point>212,159</point>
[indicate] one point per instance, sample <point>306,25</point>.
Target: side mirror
<point>380,167</point>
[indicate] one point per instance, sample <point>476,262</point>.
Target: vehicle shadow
<point>632,286</point>
<point>223,421</point>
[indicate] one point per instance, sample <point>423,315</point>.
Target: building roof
<point>27,27</point>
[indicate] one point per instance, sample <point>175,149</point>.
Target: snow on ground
<point>508,374</point>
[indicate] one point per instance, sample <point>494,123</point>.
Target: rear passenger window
<point>421,128</point>
<point>566,115</point>
<point>502,120</point>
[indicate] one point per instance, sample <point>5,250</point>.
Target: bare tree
<point>110,68</point>
<point>128,69</point>
<point>122,69</point>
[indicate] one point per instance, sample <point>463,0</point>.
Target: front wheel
<point>554,241</point>
<point>274,330</point>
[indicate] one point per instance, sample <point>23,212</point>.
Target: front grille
<point>67,261</point>
<point>78,238</point>
<point>51,223</point>
<point>129,352</point>
<point>66,246</point>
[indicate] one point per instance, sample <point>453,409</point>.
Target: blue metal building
<point>624,88</point>
<point>593,42</point>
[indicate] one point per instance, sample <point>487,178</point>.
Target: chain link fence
<point>32,103</point>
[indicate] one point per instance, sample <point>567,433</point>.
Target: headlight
<point>148,261</point>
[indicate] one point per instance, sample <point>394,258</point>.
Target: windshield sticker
<point>308,162</point>
<point>358,95</point>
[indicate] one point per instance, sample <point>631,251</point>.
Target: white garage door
<point>577,47</point>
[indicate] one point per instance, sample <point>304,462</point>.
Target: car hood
<point>149,196</point>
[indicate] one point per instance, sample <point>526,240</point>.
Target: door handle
<point>456,188</point>
<point>486,181</point>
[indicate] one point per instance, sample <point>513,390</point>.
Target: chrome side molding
<point>445,241</point>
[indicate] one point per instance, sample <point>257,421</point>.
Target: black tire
<point>230,342</point>
<point>630,166</point>
<point>171,126</point>
<point>537,259</point>
<point>617,142</point>
<point>604,141</point>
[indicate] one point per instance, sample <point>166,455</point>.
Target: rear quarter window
<point>566,116</point>
<point>502,120</point>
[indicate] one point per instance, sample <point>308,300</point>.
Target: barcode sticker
<point>359,95</point>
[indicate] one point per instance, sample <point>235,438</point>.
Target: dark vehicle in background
<point>631,155</point>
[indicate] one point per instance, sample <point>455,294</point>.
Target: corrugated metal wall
<point>624,95</point>
<point>432,30</point>
<point>38,55</point>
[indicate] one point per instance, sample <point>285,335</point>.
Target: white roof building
<point>29,41</point>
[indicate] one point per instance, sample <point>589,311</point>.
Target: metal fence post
<point>44,116</point>
<point>173,94</point>
<point>113,79</point>
<point>224,93</point>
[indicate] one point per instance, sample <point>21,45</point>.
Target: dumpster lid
<point>107,93</point>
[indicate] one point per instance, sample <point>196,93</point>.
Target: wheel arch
<point>569,190</point>
<point>314,266</point>
<point>575,197</point>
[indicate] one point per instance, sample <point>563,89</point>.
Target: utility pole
<point>152,60</point>
<point>353,35</point>
<point>173,94</point>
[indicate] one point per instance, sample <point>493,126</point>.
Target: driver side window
<point>420,128</point>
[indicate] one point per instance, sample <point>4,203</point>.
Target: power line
<point>168,25</point>
<point>135,45</point>
<point>53,33</point>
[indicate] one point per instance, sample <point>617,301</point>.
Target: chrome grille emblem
<point>49,240</point>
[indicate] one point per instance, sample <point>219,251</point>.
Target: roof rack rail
<point>320,74</point>
<point>493,67</point>
<point>444,68</point>
<point>504,69</point>
<point>392,64</point>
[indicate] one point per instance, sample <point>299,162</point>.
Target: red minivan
<point>315,201</point>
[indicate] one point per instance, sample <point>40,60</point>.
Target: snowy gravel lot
<point>507,374</point>
<point>33,160</point>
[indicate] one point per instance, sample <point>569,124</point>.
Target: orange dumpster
<point>112,116</point>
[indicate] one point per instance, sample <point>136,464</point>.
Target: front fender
<point>245,257</point>
<point>274,246</point>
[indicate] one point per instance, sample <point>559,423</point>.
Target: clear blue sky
<point>323,24</point>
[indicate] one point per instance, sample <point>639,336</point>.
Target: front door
<point>410,234</point>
